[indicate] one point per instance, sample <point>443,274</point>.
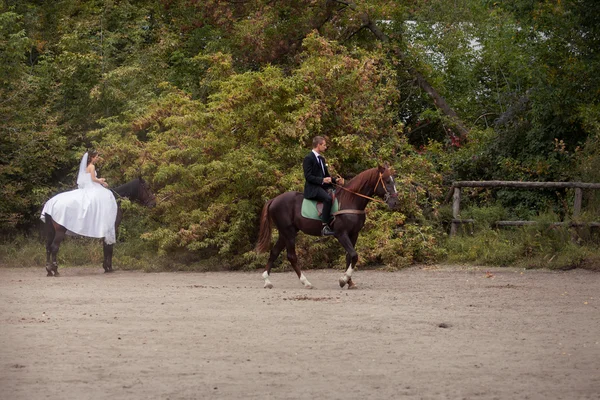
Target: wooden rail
<point>578,186</point>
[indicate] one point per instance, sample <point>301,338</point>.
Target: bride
<point>90,210</point>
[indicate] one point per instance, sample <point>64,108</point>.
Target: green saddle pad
<point>309,209</point>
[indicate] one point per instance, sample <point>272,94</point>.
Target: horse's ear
<point>386,169</point>
<point>390,168</point>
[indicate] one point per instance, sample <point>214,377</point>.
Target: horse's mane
<point>358,183</point>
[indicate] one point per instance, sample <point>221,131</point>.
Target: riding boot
<point>327,231</point>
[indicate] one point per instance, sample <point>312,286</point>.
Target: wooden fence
<point>578,186</point>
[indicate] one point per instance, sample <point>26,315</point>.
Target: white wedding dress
<point>88,211</point>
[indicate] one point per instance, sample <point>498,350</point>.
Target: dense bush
<point>215,104</point>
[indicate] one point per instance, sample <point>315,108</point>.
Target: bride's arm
<point>92,170</point>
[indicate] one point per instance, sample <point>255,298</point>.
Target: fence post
<point>455,211</point>
<point>576,211</point>
<point>577,203</point>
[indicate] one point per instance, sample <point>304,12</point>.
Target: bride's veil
<point>81,177</point>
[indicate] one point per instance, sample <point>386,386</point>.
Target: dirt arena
<point>421,333</point>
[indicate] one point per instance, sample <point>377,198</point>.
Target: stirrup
<point>327,231</point>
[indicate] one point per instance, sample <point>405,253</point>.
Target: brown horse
<point>136,190</point>
<point>285,211</point>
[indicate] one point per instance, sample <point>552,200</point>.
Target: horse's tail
<point>264,235</point>
<point>48,225</point>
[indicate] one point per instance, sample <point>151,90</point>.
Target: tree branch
<point>438,99</point>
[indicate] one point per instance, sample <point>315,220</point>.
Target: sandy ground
<point>421,333</point>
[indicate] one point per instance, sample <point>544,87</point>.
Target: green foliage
<point>390,241</point>
<point>543,245</point>
<point>215,104</point>
<point>14,44</point>
<point>216,163</point>
<point>28,252</point>
<point>485,217</point>
<point>31,149</point>
<point>525,69</point>
<point>22,251</point>
<point>588,158</point>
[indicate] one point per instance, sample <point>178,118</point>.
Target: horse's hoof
<point>268,286</point>
<point>352,286</point>
<point>108,271</point>
<point>56,273</point>
<point>342,282</point>
<point>49,274</point>
<point>309,286</point>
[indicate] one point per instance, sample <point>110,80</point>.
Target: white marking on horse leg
<point>268,284</point>
<point>349,271</point>
<point>305,281</point>
<point>346,277</point>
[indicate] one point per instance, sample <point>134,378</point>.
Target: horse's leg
<point>59,235</point>
<point>275,251</point>
<point>348,242</point>
<point>108,248</point>
<point>108,254</point>
<point>353,239</point>
<point>49,239</point>
<point>290,244</point>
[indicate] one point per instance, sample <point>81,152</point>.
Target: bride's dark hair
<point>91,154</point>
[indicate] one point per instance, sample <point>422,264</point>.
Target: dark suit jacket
<point>313,174</point>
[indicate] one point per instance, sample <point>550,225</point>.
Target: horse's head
<point>386,188</point>
<point>145,195</point>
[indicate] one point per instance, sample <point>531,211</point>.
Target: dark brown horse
<point>136,190</point>
<point>285,211</point>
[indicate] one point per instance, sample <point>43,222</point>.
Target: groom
<point>318,181</point>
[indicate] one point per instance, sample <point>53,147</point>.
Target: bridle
<point>386,197</point>
<point>149,196</point>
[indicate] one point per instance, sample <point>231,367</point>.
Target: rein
<point>387,194</point>
<point>117,195</point>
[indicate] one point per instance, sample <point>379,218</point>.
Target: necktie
<point>322,162</point>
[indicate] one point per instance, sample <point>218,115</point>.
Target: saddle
<point>313,209</point>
